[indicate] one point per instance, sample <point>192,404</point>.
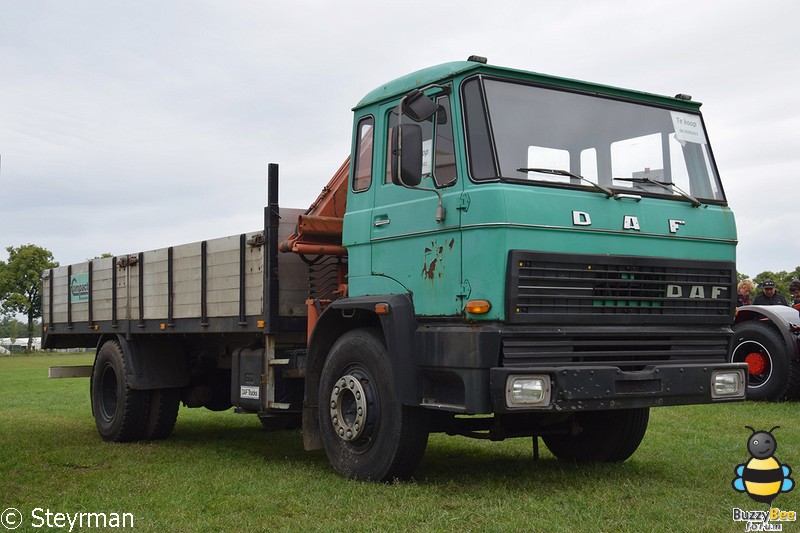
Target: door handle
<point>381,222</point>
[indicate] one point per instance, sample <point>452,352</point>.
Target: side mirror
<point>417,106</point>
<point>407,155</point>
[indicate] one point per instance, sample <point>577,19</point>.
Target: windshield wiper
<point>667,186</point>
<point>558,172</point>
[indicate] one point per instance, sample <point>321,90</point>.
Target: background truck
<point>767,338</point>
<point>504,254</point>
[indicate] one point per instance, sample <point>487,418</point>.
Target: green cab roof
<point>446,71</point>
<point>416,80</point>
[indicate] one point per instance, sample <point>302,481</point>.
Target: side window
<point>362,166</point>
<point>444,171</point>
<point>438,149</point>
<point>482,162</point>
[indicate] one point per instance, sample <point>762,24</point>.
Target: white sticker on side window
<point>688,128</point>
<point>427,156</point>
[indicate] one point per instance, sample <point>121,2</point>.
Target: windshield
<point>617,144</point>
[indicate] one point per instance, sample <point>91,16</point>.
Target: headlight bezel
<point>528,390</point>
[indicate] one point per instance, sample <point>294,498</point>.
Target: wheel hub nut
<point>348,408</point>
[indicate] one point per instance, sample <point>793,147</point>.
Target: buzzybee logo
<point>762,477</point>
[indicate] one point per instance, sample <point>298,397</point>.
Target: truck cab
<point>520,161</point>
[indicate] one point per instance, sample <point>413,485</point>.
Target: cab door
<point>411,250</point>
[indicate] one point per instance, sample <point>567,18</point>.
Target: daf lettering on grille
<point>695,291</point>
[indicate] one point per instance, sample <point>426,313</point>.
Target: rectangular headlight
<point>527,391</point>
<point>728,383</point>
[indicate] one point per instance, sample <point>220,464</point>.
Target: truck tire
<point>163,413</point>
<point>367,434</point>
<point>610,436</point>
<point>772,375</point>
<point>120,413</point>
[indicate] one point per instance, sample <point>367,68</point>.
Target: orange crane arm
<point>319,230</point>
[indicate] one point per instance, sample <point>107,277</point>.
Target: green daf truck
<point>504,254</point>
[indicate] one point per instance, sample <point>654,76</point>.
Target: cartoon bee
<point>762,477</point>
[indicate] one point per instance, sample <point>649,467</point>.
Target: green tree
<point>11,328</point>
<point>21,282</point>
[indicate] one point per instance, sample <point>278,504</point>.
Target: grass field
<point>223,472</point>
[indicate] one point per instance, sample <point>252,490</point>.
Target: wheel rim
<point>759,362</point>
<point>354,407</point>
<point>108,392</point>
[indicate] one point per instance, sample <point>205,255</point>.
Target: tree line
<point>11,328</point>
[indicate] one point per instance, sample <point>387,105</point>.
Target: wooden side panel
<point>186,280</point>
<point>225,262</point>
<point>155,289</point>
<point>60,295</point>
<point>222,282</point>
<point>102,275</point>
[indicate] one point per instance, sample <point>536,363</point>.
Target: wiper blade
<point>558,172</point>
<point>667,186</point>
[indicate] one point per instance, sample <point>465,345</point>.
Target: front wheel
<point>367,434</point>
<point>771,374</point>
<point>610,436</point>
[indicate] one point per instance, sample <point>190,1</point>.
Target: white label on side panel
<point>688,128</point>
<point>249,392</point>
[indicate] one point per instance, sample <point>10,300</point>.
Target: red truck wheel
<point>367,434</point>
<point>771,375</point>
<point>610,436</point>
<point>120,413</point>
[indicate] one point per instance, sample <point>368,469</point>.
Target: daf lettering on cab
<point>553,256</point>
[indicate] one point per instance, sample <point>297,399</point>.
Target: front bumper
<point>591,388</point>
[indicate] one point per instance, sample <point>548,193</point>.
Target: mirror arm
<point>446,89</point>
<point>440,210</point>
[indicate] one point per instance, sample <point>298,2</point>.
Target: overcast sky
<point>129,126</point>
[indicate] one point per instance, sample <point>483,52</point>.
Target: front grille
<point>626,348</point>
<point>552,288</point>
